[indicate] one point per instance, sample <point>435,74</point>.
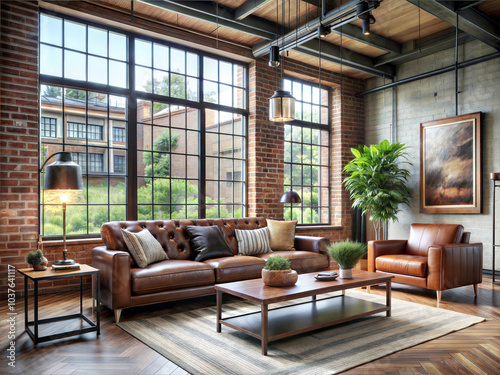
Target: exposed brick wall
<point>266,156</point>
<point>18,145</point>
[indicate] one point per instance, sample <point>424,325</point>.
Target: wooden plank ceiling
<point>404,29</point>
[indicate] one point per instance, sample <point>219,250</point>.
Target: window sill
<point>73,242</point>
<point>304,228</point>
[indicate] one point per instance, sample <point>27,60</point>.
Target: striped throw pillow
<point>253,242</point>
<point>143,247</point>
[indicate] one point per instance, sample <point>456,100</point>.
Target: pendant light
<point>282,103</point>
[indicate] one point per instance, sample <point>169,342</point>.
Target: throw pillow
<point>281,234</point>
<point>143,247</point>
<point>208,242</point>
<point>253,242</point>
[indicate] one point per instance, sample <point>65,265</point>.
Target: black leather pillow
<point>208,242</point>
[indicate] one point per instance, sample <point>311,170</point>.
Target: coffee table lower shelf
<point>303,317</point>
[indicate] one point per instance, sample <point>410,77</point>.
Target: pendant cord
<point>456,66</point>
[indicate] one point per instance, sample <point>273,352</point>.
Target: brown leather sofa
<point>435,256</point>
<point>123,284</point>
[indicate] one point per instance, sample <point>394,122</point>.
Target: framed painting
<point>450,165</point>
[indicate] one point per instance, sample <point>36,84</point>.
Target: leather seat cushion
<point>301,261</point>
<point>404,264</point>
<point>170,275</point>
<point>239,267</point>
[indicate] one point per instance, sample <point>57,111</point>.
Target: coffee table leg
<point>314,298</point>
<point>263,333</point>
<point>219,310</point>
<point>388,298</point>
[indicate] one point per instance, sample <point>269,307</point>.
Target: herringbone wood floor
<point>475,350</point>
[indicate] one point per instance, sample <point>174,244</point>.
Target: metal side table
<point>50,274</point>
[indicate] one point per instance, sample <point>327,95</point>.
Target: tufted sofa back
<point>172,236</point>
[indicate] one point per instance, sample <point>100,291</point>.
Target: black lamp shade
<point>366,26</point>
<point>290,196</point>
<point>63,174</point>
<point>274,57</point>
<point>281,106</point>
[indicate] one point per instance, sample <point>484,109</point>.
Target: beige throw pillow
<point>281,234</point>
<point>144,248</point>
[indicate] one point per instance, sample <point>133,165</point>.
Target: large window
<point>307,154</point>
<point>104,195</point>
<point>188,126</point>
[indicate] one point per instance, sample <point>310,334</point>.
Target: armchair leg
<point>118,312</point>
<point>475,289</point>
<point>439,294</point>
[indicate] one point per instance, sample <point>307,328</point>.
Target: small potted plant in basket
<point>277,272</point>
<point>37,260</point>
<point>346,254</point>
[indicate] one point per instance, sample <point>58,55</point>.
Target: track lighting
<point>362,10</point>
<point>274,57</point>
<point>366,24</point>
<point>323,31</point>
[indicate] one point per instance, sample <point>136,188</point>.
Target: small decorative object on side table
<point>277,272</point>
<point>346,254</point>
<point>50,274</point>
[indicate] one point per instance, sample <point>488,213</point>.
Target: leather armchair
<point>435,256</point>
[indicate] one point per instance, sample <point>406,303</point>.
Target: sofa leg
<point>118,312</point>
<point>475,289</point>
<point>368,289</point>
<point>439,294</point>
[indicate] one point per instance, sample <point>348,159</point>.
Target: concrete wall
<point>432,99</point>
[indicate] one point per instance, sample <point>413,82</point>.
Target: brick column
<point>18,133</point>
<point>265,146</point>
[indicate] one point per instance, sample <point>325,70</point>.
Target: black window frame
<point>133,95</point>
<point>312,126</point>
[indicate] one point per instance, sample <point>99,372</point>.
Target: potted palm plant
<point>376,182</point>
<point>346,254</point>
<point>277,272</point>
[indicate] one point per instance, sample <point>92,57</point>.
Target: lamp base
<point>64,262</point>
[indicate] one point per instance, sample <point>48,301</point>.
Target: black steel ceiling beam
<point>331,52</point>
<point>374,40</point>
<point>207,11</point>
<point>471,20</point>
<point>248,7</point>
<point>427,46</point>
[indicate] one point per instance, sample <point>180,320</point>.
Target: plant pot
<point>279,278</point>
<point>42,266</point>
<point>345,273</point>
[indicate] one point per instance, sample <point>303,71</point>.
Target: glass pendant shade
<point>281,106</point>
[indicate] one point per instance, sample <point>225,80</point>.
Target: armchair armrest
<point>314,244</point>
<point>114,269</point>
<point>454,265</point>
<point>386,247</point>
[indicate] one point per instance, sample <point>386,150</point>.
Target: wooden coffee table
<point>273,324</point>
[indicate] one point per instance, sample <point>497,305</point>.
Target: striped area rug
<point>189,339</point>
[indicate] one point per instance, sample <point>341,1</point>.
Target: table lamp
<point>63,177</point>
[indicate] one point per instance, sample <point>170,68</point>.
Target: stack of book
<point>65,267</point>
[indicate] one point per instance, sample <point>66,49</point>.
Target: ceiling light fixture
<point>366,24</point>
<point>274,57</point>
<point>282,103</point>
<point>323,31</point>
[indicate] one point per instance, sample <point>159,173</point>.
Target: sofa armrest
<point>314,244</point>
<point>454,265</point>
<point>385,247</point>
<point>114,269</point>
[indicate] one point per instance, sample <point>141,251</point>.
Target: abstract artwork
<point>450,165</point>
